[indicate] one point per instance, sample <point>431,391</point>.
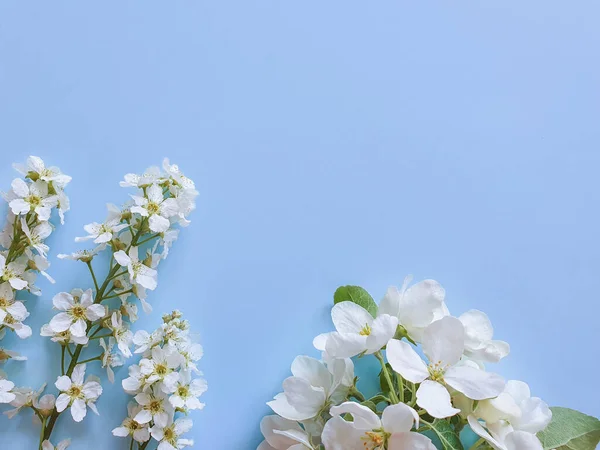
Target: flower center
<point>33,200</point>
<point>161,369</point>
<point>183,391</point>
<point>5,303</point>
<point>78,312</point>
<point>153,208</point>
<point>133,425</point>
<point>436,371</point>
<point>170,436</point>
<point>155,406</point>
<point>375,440</point>
<point>366,330</point>
<point>75,391</point>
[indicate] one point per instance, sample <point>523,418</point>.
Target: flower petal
<point>444,341</point>
<point>362,417</point>
<point>410,441</point>
<point>435,399</point>
<point>474,383</point>
<point>405,361</point>
<point>522,440</point>
<point>398,418</point>
<point>348,317</point>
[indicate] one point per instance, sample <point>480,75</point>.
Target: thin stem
<point>131,444</point>
<point>69,350</point>
<point>388,378</point>
<point>89,264</point>
<point>148,239</point>
<point>62,360</point>
<point>400,387</point>
<point>42,433</point>
<point>477,444</point>
<point>413,395</point>
<point>118,294</point>
<point>118,274</point>
<point>95,358</point>
<point>100,337</point>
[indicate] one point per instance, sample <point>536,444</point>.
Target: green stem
<point>413,395</point>
<point>100,337</point>
<point>400,387</point>
<point>388,378</point>
<point>62,360</point>
<point>89,264</point>
<point>477,444</point>
<point>149,239</point>
<point>42,433</point>
<point>95,358</point>
<point>117,295</point>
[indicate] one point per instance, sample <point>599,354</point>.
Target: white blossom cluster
<point>23,252</point>
<point>321,407</point>
<point>93,325</point>
<point>162,385</point>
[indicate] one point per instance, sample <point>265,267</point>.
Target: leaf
<point>369,404</point>
<point>570,430</point>
<point>385,387</point>
<point>447,435</point>
<point>358,295</point>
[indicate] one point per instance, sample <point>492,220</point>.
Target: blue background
<point>332,142</point>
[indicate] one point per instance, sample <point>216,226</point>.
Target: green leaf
<point>385,387</point>
<point>369,404</point>
<point>447,435</point>
<point>570,430</point>
<point>358,295</point>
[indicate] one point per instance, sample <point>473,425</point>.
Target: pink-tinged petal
<point>405,361</point>
<point>444,341</point>
<point>399,418</point>
<point>348,317</point>
<point>474,383</point>
<point>410,441</point>
<point>435,399</point>
<point>339,434</point>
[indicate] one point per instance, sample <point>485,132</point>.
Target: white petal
<point>144,416</point>
<point>382,330</point>
<point>519,390</point>
<point>478,328</point>
<point>482,432</point>
<point>502,407</point>
<point>78,329</point>
<point>18,283</point>
<point>390,304</point>
<point>20,187</point>
<point>120,432</point>
<point>419,302</point>
<point>435,399</point>
<point>339,434</point>
<point>62,402</point>
<point>398,418</point>
<point>362,417</point>
<point>492,351</point>
<point>155,193</point>
<point>158,224</point>
<point>321,341</point>
<point>270,423</point>
<point>78,410</point>
<point>63,301</point>
<point>444,340</point>
<point>348,317</point>
<point>78,374</point>
<point>122,258</point>
<point>345,345</point>
<point>474,383</point>
<point>410,441</point>
<point>60,322</point>
<point>63,383</point>
<point>522,440</point>
<point>95,312</point>
<point>405,361</point>
<point>311,370</point>
<point>535,415</point>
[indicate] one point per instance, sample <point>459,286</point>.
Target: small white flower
<point>62,445</point>
<point>138,273</point>
<point>479,332</point>
<point>44,406</point>
<point>357,331</point>
<point>24,397</point>
<point>129,427</point>
<point>41,264</point>
<point>156,208</point>
<point>185,393</point>
<point>155,406</point>
<point>102,233</point>
<point>283,434</point>
<point>367,430</point>
<point>151,176</point>
<point>11,312</point>
<point>443,344</point>
<point>162,366</point>
<point>6,386</point>
<point>36,169</point>
<point>169,436</point>
<point>6,354</point>
<point>62,337</point>
<point>36,236</point>
<point>311,387</point>
<point>13,273</point>
<point>121,333</point>
<point>77,394</point>
<point>77,310</point>
<point>110,359</point>
<point>32,197</point>
<point>83,255</point>
<point>416,307</point>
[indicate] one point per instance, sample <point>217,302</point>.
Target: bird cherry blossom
<point>77,394</point>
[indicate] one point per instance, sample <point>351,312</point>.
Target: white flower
<point>177,175</point>
<point>151,176</point>
<point>367,430</point>
<point>169,436</point>
<point>44,406</point>
<point>6,386</point>
<point>129,427</point>
<point>76,311</point>
<point>123,336</point>
<point>162,367</point>
<point>283,434</point>
<point>479,344</point>
<point>156,208</point>
<point>62,445</point>
<point>416,307</point>
<point>138,273</point>
<point>102,233</point>
<point>63,337</point>
<point>83,255</point>
<point>513,411</point>
<point>6,354</point>
<point>32,197</point>
<point>36,169</point>
<point>443,344</point>
<point>36,236</point>
<point>13,273</point>
<point>185,393</point>
<point>77,394</point>
<point>135,381</point>
<point>24,397</point>
<point>12,312</point>
<point>357,331</point>
<point>155,406</point>
<point>110,359</point>
<point>311,387</point>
